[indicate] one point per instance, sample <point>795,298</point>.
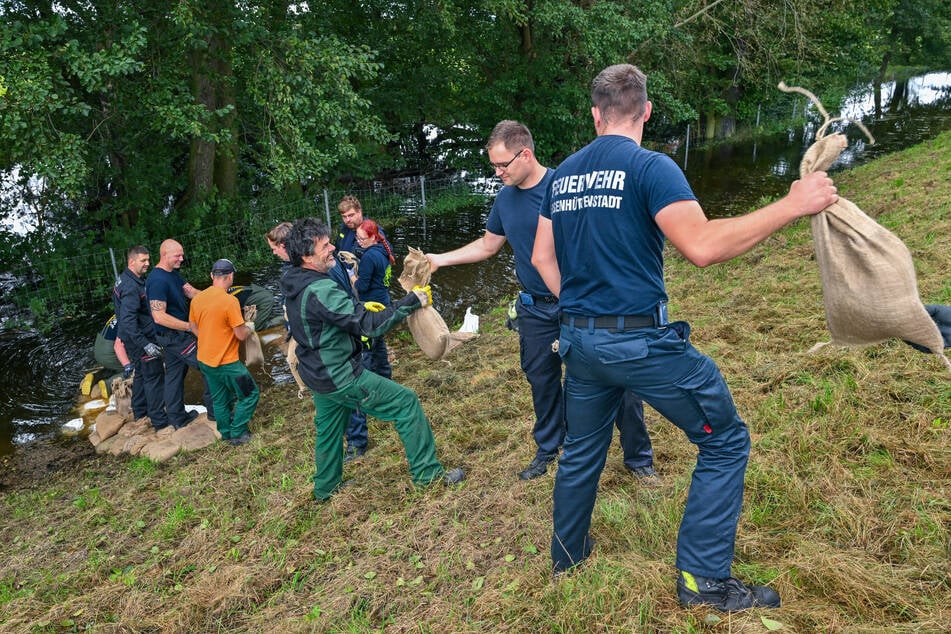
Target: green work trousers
<point>234,395</point>
<point>383,399</point>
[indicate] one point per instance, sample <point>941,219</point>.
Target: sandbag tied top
<point>416,270</point>
<point>427,326</point>
<point>869,286</point>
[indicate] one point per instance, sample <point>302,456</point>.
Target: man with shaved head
<point>167,293</point>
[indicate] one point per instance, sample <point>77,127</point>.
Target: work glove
<point>425,295</point>
<point>127,370</point>
<point>152,351</point>
<point>373,307</point>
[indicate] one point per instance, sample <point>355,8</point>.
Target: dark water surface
<point>39,374</point>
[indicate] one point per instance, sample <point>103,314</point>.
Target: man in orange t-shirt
<point>216,317</point>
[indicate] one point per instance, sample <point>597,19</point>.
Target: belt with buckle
<point>545,299</point>
<point>616,323</point>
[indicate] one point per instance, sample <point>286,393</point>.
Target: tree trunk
<point>710,131</point>
<point>226,156</point>
<point>201,160</point>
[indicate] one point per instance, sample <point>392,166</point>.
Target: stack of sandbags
<point>116,434</point>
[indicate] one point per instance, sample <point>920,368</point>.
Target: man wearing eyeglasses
<point>514,217</point>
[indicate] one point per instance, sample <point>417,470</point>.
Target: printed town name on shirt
<point>580,183</point>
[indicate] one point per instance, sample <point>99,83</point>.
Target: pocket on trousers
<point>622,351</point>
<point>246,384</point>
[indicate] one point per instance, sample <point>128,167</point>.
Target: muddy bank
<point>34,462</point>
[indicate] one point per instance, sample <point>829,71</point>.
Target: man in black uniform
<point>137,331</point>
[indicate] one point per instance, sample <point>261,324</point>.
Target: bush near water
<point>846,513</point>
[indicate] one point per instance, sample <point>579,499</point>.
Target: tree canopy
<point>125,118</point>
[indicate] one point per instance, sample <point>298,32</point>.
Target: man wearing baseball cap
<point>216,317</point>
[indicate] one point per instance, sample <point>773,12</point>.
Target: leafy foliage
<point>133,120</point>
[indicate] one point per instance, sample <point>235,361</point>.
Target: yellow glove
<point>429,294</point>
<point>373,307</point>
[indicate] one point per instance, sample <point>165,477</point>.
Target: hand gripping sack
<point>427,326</point>
<point>869,286</point>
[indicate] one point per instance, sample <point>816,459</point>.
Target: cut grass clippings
<point>846,511</point>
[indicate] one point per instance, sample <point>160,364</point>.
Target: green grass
<point>846,512</point>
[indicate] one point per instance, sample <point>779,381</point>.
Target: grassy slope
<point>846,514</point>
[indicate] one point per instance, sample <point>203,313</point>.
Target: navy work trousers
<point>148,383</point>
<point>660,366</point>
<point>539,325</point>
<point>181,353</point>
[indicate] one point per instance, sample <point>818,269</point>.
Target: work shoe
<point>454,476</point>
<point>589,545</point>
<point>190,415</point>
<point>726,595</point>
<point>646,475</point>
<point>85,386</point>
<point>537,467</point>
<point>352,453</point>
<point>243,439</point>
<point>343,485</point>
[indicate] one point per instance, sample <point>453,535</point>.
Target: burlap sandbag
<point>108,424</point>
<point>122,391</point>
<point>250,350</point>
<point>292,363</point>
<point>427,326</point>
<point>869,286</point>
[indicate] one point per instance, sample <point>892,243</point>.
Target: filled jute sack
<point>869,286</point>
<point>250,350</point>
<point>427,326</point>
<point>292,364</point>
<point>122,391</point>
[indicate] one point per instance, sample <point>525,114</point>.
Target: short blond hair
<point>349,202</point>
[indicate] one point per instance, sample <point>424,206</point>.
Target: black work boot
<point>537,467</point>
<point>726,595</point>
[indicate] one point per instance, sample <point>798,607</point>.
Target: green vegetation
<point>846,512</point>
<point>128,121</point>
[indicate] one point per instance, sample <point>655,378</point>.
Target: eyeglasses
<point>363,239</point>
<point>502,166</point>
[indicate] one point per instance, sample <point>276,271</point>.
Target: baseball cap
<point>223,267</point>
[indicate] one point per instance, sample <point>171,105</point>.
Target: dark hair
<point>373,232</point>
<point>278,235</point>
<point>512,134</point>
<point>137,250</point>
<point>620,91</point>
<point>300,240</point>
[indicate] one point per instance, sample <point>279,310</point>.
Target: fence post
<point>327,205</point>
<point>112,256</point>
<point>687,147</point>
<point>422,208</point>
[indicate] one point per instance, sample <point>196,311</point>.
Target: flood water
<point>40,375</point>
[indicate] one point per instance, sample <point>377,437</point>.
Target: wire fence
<point>48,287</point>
